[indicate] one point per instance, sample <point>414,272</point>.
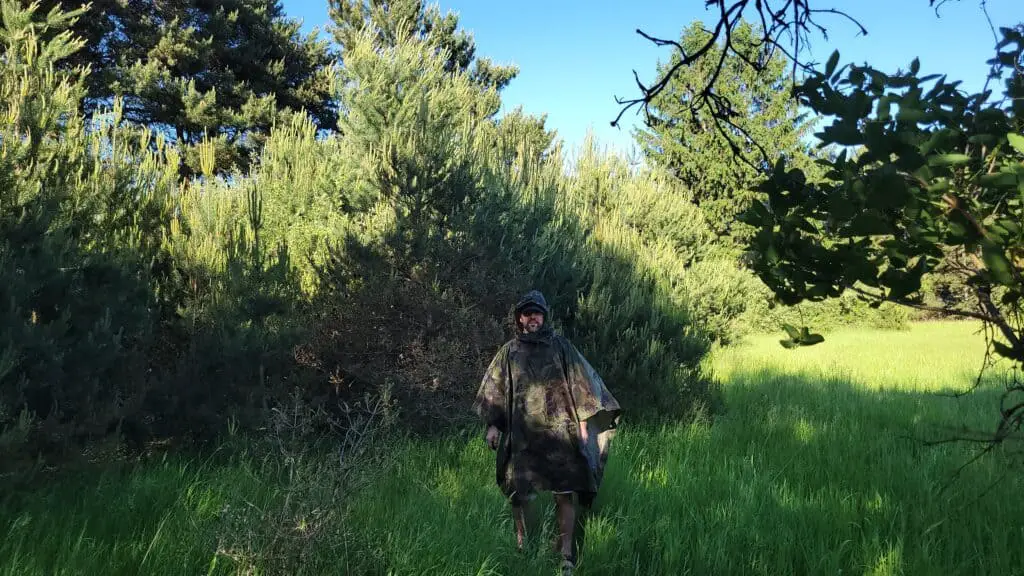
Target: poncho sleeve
<point>492,397</point>
<point>593,401</point>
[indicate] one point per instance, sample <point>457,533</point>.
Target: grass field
<point>817,466</point>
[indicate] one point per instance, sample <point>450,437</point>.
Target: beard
<point>531,324</point>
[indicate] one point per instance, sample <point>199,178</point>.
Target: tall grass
<point>817,466</point>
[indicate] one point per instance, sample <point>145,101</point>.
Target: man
<point>550,418</point>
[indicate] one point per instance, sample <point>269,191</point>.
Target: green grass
<point>156,520</point>
<point>817,466</point>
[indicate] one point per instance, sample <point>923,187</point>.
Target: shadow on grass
<point>799,477</point>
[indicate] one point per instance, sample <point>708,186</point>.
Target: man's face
<point>531,320</point>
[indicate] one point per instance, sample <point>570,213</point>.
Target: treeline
<point>189,235</point>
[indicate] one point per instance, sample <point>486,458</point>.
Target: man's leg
<point>565,509</point>
<point>519,515</point>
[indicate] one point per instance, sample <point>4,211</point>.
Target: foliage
<point>386,255</point>
<point>527,133</point>
<point>410,125</point>
<point>813,450</point>
<point>81,213</point>
<point>391,22</point>
<point>936,182</point>
<point>227,354</point>
<point>697,151</point>
<point>128,294</point>
<point>497,216</point>
<point>683,141</point>
<point>219,71</point>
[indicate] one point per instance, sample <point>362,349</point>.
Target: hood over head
<point>532,300</point>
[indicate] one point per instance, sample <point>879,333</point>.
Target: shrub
<point>82,210</point>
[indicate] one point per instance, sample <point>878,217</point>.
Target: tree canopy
<point>928,180</point>
<point>389,21</point>
<point>696,150</point>
<point>223,71</point>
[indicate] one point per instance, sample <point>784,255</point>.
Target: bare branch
<point>795,18</point>
<point>926,308</point>
<point>990,447</point>
<point>650,93</point>
<point>988,17</point>
<point>985,299</point>
<point>853,20</point>
<point>662,42</point>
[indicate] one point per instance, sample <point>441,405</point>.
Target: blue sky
<point>576,56</point>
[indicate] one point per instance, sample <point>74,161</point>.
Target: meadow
<point>817,464</point>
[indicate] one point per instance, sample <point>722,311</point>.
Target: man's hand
<point>492,437</point>
<point>584,433</point>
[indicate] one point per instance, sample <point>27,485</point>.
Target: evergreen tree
<point>690,145</point>
<point>411,125</point>
<point>83,208</point>
<point>388,20</point>
<point>192,69</point>
<point>520,133</point>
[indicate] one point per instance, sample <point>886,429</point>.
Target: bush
<point>82,210</point>
<point>387,255</point>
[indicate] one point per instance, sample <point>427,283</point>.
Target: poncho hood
<point>532,300</point>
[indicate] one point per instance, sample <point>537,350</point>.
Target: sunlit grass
<point>157,520</point>
<point>816,466</point>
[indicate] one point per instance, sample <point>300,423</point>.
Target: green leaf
<point>939,140</point>
<point>757,215</point>
<point>813,339</point>
<point>794,334</point>
<point>1010,298</point>
<point>876,139</point>
<point>788,344</point>
<point>801,337</point>
<point>939,186</point>
<point>867,223</point>
<point>884,104</point>
<point>997,230</point>
<point>833,61</point>
<point>1017,141</point>
<point>809,339</point>
<point>998,180</point>
<point>1011,225</point>
<point>948,159</point>
<point>842,133</point>
<point>878,79</point>
<point>910,114</point>
<point>997,263</point>
<point>986,139</point>
<point>888,189</point>
<point>857,267</point>
<point>818,291</point>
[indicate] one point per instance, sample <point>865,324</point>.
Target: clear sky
<point>576,56</point>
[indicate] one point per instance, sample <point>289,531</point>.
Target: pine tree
<point>411,125</point>
<point>83,207</point>
<point>388,18</point>
<point>689,144</point>
<point>226,70</point>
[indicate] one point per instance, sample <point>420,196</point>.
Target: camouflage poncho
<point>536,391</point>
